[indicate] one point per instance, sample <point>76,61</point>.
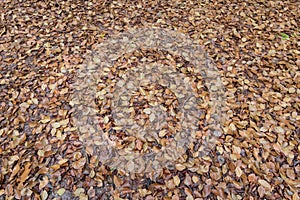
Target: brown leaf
<point>79,163</point>
<point>117,181</point>
<point>295,196</point>
<point>43,182</point>
<point>252,178</point>
<point>55,167</point>
<point>175,197</point>
<point>170,184</point>
<point>206,191</point>
<point>15,170</point>
<point>254,47</point>
<point>25,173</point>
<point>265,184</point>
<point>290,173</point>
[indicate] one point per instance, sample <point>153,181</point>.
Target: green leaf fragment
<point>284,36</point>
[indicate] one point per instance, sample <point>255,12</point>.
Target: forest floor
<point>253,44</point>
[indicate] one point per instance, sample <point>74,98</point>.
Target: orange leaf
<point>15,170</point>
<point>25,173</point>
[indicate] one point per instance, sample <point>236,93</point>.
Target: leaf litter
<point>254,44</point>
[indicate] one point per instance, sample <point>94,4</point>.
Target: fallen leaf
<point>15,170</point>
<point>117,181</point>
<point>176,180</point>
<point>180,167</point>
<point>43,182</point>
<point>78,191</point>
<point>44,195</point>
<point>25,173</point>
<point>238,172</point>
<point>265,184</point>
<point>61,191</point>
<point>206,191</point>
<point>79,163</point>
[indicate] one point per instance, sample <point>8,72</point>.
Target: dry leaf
<point>117,181</point>
<point>61,191</point>
<point>43,182</point>
<point>265,184</point>
<point>15,170</point>
<point>206,190</point>
<point>195,179</point>
<point>79,191</point>
<point>238,172</point>
<point>79,163</point>
<point>176,180</point>
<point>25,173</point>
<point>44,195</point>
<point>180,167</point>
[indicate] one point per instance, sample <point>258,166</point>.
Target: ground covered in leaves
<point>255,45</point>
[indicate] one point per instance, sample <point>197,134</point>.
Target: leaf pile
<point>255,45</point>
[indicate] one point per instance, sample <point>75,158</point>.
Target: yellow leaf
<point>195,179</point>
<point>55,167</point>
<point>61,191</point>
<point>176,180</point>
<point>44,195</point>
<point>45,120</point>
<point>62,161</point>
<point>102,35</point>
<point>64,122</point>
<point>180,167</point>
